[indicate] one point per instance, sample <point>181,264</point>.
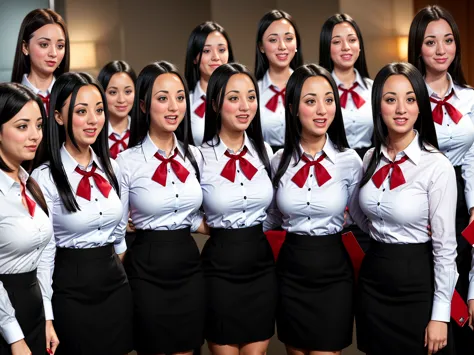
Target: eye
<point>44,45</point>
<point>310,102</point>
<point>252,98</point>
<point>353,40</point>
<point>162,98</point>
<point>223,50</point>
<point>81,111</point>
<point>61,46</point>
<point>206,51</point>
<point>272,40</point>
<point>411,100</point>
<point>429,43</point>
<point>181,98</point>
<point>329,100</point>
<point>289,39</point>
<point>112,92</point>
<point>233,98</point>
<point>336,42</point>
<point>39,126</point>
<point>390,100</point>
<point>129,92</point>
<point>22,127</point>
<point>100,110</point>
<point>450,40</point>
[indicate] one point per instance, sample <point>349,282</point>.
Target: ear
<point>58,118</point>
<point>142,106</point>
<point>24,48</point>
<point>260,46</point>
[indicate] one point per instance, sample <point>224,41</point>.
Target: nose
<point>321,108</point>
<point>172,105</point>
<point>215,55</point>
<point>440,50</point>
<point>92,117</point>
<point>244,105</point>
<point>345,45</point>
<point>401,109</point>
<point>36,134</point>
<point>120,97</point>
<point>52,51</point>
<point>281,44</point>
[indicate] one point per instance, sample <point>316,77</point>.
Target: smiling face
<point>439,48</point>
<point>345,46</point>
<point>120,94</point>
<point>279,44</point>
<point>240,104</point>
<point>20,136</point>
<point>214,54</point>
<point>46,49</point>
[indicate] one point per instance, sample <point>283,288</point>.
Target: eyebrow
<point>433,36</point>
<point>209,45</point>
<point>84,104</point>
<point>116,88</point>
<point>313,94</point>
<point>22,119</point>
<point>237,91</point>
<point>276,34</point>
<point>49,39</point>
<point>350,34</point>
<point>395,94</point>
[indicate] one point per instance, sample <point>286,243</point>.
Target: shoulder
<point>350,156</point>
<point>42,175</point>
<point>369,83</point>
<point>269,150</point>
<point>367,157</point>
<point>276,159</point>
<point>196,154</point>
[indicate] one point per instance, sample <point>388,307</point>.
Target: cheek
<point>451,49</point>
<point>269,47</point>
<point>426,51</point>
<point>334,51</point>
<point>227,108</point>
<point>224,57</point>
<point>12,136</point>
<point>111,100</point>
<point>387,112</point>
<point>130,98</point>
<point>157,110</point>
<point>331,111</point>
<point>305,112</point>
<point>37,53</point>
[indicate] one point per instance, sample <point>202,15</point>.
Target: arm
<point>467,169</point>
<point>120,244</point>
<point>353,189</point>
<point>9,326</point>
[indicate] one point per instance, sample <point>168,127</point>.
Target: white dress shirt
<point>37,91</point>
<point>239,204</point>
<point>401,215</point>
<point>197,123</point>
<point>358,122</point>
<point>456,140</point>
<point>151,205</point>
<point>94,225</point>
<point>119,135</point>
<point>22,241</point>
<point>317,210</point>
<point>273,123</point>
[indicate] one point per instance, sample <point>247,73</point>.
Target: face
<point>240,103</point>
<point>20,136</point>
<point>88,117</point>
<point>214,54</point>
<point>279,44</point>
<point>168,104</point>
<point>345,46</point>
<point>46,49</point>
<point>120,94</point>
<point>317,107</point>
<point>399,107</point>
<point>439,48</point>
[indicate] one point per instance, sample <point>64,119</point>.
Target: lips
<point>214,66</point>
<point>282,56</point>
<point>441,60</point>
<point>32,148</point>
<point>243,118</point>
<point>400,121</point>
<point>51,63</point>
<point>171,119</point>
<point>121,108</point>
<point>320,122</point>
<point>90,132</point>
<point>346,56</point>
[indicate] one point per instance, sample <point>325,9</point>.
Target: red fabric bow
<point>161,172</point>
<point>272,104</point>
<point>229,169</point>
<point>30,203</point>
<point>84,187</point>
<point>438,110</point>
<point>322,175</point>
<point>201,109</point>
<point>358,100</point>
<point>115,148</point>
<point>45,100</point>
<point>397,177</point>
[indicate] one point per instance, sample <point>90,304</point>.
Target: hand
<point>471,313</point>
<point>204,228</point>
<point>130,226</point>
<point>20,348</point>
<point>52,340</point>
<point>436,336</point>
<point>121,256</point>
<point>428,228</point>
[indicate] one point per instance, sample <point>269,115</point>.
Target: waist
<point>150,236</point>
<point>88,253</point>
<point>400,251</point>
<point>16,280</point>
<point>241,234</point>
<point>312,240</point>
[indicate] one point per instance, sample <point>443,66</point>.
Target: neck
<point>203,83</point>
<point>438,82</point>
<point>82,155</point>
<point>163,141</point>
<point>346,75</point>
<point>312,144</point>
<point>15,167</point>
<point>119,124</point>
<point>234,140</point>
<point>398,142</point>
<point>279,76</point>
<point>40,81</point>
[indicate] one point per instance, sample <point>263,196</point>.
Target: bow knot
<point>397,177</point>
<point>201,109</point>
<point>119,143</point>
<point>84,187</point>
<point>450,109</point>
<point>272,104</point>
<point>161,173</point>
<point>320,172</point>
<point>358,100</point>
<point>45,100</point>
<point>230,167</point>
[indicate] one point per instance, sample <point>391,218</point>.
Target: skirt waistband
<point>400,251</point>
<point>153,236</point>
<point>87,253</point>
<point>18,280</point>
<point>239,234</point>
<point>312,240</point>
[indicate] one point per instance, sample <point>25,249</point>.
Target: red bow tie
<point>397,177</point>
<point>322,175</point>
<point>115,148</point>
<point>161,172</point>
<point>45,100</point>
<point>29,202</point>
<point>358,100</point>
<point>84,187</point>
<point>229,169</point>
<point>438,110</point>
<point>272,104</point>
<point>201,109</point>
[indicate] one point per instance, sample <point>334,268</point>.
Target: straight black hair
<point>111,68</point>
<point>13,97</point>
<point>196,43</point>
<point>141,119</point>
<point>293,130</point>
<point>215,99</point>
<point>417,35</point>
<point>67,86</point>
<point>325,38</point>
<point>424,124</point>
<point>261,60</point>
<point>31,23</point>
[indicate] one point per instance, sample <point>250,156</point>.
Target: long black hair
<point>31,23</point>
<point>325,38</point>
<point>196,43</point>
<point>13,97</point>
<point>141,120</point>
<point>424,123</point>
<point>68,85</point>
<point>261,60</point>
<point>417,34</point>
<point>111,68</point>
<point>215,99</point>
<point>293,130</point>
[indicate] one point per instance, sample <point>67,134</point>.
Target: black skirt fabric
<point>395,298</point>
<point>25,296</point>
<point>241,286</point>
<point>92,302</point>
<point>315,310</point>
<point>167,283</point>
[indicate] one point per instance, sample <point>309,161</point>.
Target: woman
<point>26,324</point>
<point>91,297</point>
<point>315,176</point>
<point>237,259</point>
<point>407,277</point>
<point>163,263</point>
<point>278,52</point>
<point>208,47</point>
<point>118,80</point>
<point>435,49</point>
<point>42,52</point>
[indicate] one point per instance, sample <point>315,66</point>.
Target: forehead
<point>120,79</point>
<point>167,81</point>
<point>398,84</point>
<point>316,84</point>
<point>438,27</point>
<point>343,28</point>
<point>240,82</point>
<point>278,27</point>
<point>88,93</point>
<point>30,110</point>
<point>215,37</point>
<point>53,31</point>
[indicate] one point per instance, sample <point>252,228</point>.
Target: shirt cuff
<point>12,332</point>
<point>120,247</point>
<point>197,222</point>
<point>48,309</point>
<point>441,311</point>
<point>470,294</point>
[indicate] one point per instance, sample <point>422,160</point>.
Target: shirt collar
<point>6,182</point>
<point>451,87</point>
<point>111,129</point>
<point>70,164</point>
<point>221,148</point>
<point>37,91</point>
<point>267,82</point>
<point>197,93</point>
<point>413,151</point>
<point>358,79</point>
<point>328,149</point>
<point>149,148</point>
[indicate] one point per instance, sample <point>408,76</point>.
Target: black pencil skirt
<point>167,283</point>
<point>25,296</point>
<point>315,310</point>
<point>395,298</point>
<point>241,286</point>
<point>92,302</point>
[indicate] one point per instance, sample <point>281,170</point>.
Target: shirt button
<point>450,137</point>
<point>383,190</point>
<point>243,211</point>
<point>241,184</point>
<point>100,213</point>
<point>98,228</point>
<point>245,197</point>
<point>309,218</point>
<point>307,203</point>
<point>172,182</point>
<point>311,175</point>
<point>378,203</point>
<point>175,211</point>
<point>96,200</point>
<point>309,189</point>
<point>177,195</point>
<point>238,171</point>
